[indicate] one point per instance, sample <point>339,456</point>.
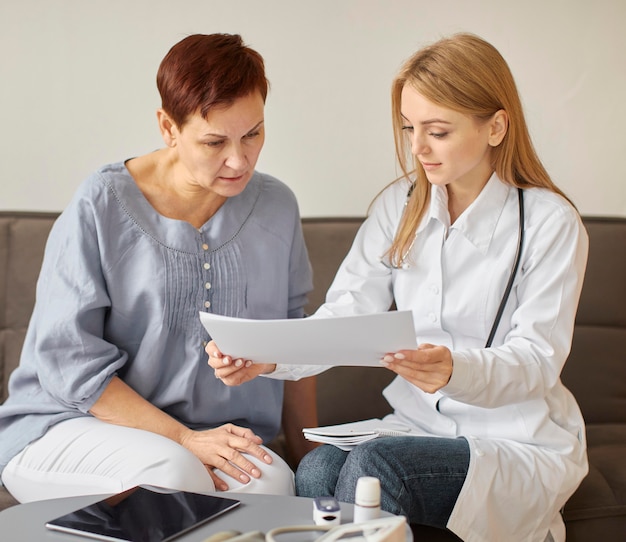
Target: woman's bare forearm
<point>119,404</point>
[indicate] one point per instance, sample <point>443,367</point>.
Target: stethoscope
<point>518,256</point>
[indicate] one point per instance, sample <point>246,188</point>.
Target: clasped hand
<point>221,448</point>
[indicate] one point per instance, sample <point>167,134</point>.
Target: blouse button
<point>207,304</point>
<point>207,265</point>
<point>205,246</point>
<point>207,285</point>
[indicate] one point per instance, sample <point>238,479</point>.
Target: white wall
<point>77,88</point>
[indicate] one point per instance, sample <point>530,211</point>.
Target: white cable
<point>269,537</point>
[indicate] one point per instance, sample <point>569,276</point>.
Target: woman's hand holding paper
<point>429,367</point>
<point>234,372</point>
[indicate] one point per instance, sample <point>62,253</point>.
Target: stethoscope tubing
<point>518,257</point>
<point>509,286</point>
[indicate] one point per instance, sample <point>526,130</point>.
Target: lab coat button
<point>432,317</point>
<point>434,289</point>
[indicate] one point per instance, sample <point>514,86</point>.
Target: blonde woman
<point>489,255</point>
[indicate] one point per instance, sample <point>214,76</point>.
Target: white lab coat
<point>525,430</point>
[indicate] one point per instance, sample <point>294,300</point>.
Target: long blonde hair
<point>466,74</point>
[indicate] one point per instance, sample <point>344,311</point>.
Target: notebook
<point>348,435</point>
<point>143,514</point>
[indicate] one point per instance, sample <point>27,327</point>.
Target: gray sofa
<point>595,372</point>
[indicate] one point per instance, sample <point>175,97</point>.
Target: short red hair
<point>203,71</point>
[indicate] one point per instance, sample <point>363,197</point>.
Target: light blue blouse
<point>119,293</point>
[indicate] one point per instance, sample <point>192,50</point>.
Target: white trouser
<point>86,456</point>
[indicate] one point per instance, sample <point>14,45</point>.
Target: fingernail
<point>248,363</point>
<point>267,458</point>
<point>216,354</point>
<point>226,361</point>
<point>256,473</point>
<point>244,478</point>
<point>399,356</point>
<point>388,358</point>
<point>239,363</point>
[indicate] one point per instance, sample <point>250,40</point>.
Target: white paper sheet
<point>341,340</point>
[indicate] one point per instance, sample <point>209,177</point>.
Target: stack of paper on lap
<point>348,435</point>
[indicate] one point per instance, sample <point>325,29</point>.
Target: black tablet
<point>143,515</point>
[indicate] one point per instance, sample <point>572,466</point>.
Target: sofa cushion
<point>327,241</point>
<point>603,299</point>
<point>597,363</point>
<point>11,341</point>
<point>23,236</point>
<point>27,237</point>
<point>597,510</point>
<point>595,368</point>
<point>603,492</point>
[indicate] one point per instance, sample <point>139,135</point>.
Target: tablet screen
<point>141,514</point>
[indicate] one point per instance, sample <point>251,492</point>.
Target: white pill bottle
<point>367,499</point>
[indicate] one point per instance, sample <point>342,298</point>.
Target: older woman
<point>113,390</point>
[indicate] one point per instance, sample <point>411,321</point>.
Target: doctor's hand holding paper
<point>489,255</point>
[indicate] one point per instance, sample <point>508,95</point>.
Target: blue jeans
<point>420,477</point>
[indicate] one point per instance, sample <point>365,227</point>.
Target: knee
<point>368,459</point>
<point>318,471</point>
<point>276,478</point>
<point>172,466</point>
<point>312,461</point>
<point>308,474</point>
<point>365,461</point>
